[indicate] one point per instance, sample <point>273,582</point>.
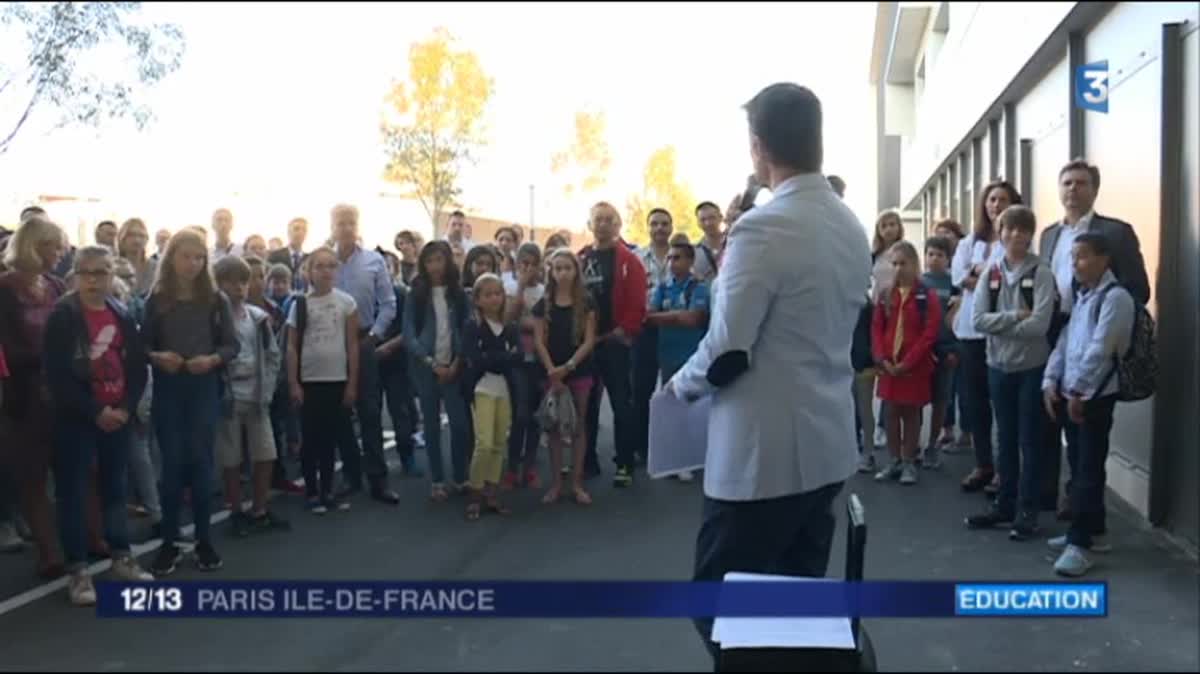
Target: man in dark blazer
<point>1078,185</point>
<point>293,255</point>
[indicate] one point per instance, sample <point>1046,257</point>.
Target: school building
<point>971,91</point>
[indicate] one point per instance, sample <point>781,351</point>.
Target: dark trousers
<point>1050,471</point>
<point>612,362</point>
<point>77,445</point>
<point>184,412</point>
<point>787,536</point>
<point>979,399</point>
<point>396,385</point>
<point>285,428</point>
<point>323,419</point>
<point>369,410</point>
<point>645,378</point>
<point>1017,398</point>
<point>1087,450</point>
<point>524,434</point>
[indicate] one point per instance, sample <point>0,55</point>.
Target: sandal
<point>582,497</point>
<point>976,480</point>
<point>473,511</point>
<point>438,494</point>
<point>552,495</point>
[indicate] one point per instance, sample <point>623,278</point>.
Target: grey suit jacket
<point>1127,263</point>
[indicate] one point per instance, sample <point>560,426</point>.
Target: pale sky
<point>280,105</point>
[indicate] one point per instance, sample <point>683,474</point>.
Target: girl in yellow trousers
<point>493,350</point>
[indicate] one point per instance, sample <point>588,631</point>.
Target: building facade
<point>970,91</point>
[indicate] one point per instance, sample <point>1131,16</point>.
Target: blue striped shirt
<point>364,276</point>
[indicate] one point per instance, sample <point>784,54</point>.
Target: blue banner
<point>598,599</point>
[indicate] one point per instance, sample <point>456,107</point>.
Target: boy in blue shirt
<point>680,311</point>
<point>945,350</point>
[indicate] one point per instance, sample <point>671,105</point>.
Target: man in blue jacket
<point>96,371</point>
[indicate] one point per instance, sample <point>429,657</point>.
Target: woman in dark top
<point>28,293</point>
<point>565,338</point>
<point>189,335</point>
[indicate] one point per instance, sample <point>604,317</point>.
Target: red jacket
<point>629,289</point>
<point>916,347</point>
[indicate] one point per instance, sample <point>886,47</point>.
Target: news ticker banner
<point>598,599</point>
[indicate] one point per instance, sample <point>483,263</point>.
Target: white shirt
<point>657,273</point>
<point>532,295</point>
<point>705,267</point>
<point>323,355</point>
<point>217,252</point>
<point>1061,261</point>
<point>442,349</point>
<point>793,282</point>
<point>492,384</point>
<point>971,252</point>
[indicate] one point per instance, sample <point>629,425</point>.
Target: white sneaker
<point>10,541</point>
<point>127,569</point>
<point>686,476</point>
<point>1073,562</point>
<point>880,438</point>
<point>1100,544</point>
<point>80,589</point>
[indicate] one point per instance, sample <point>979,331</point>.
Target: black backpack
<point>1137,368</point>
<point>1027,297</point>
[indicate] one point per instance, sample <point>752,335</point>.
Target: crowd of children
<point>205,365</point>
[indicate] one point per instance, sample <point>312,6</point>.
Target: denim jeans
<point>184,412</point>
<point>1087,450</point>
<point>434,396</point>
<point>613,374</point>
<point>77,445</point>
<point>1017,399</point>
<point>977,389</point>
<point>369,410</point>
<point>645,379</point>
<point>787,536</point>
<point>395,384</point>
<point>141,467</point>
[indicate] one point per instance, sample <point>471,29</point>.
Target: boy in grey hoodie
<point>1014,312</point>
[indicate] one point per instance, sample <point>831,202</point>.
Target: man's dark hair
<point>458,214</point>
<point>660,210</point>
<point>786,118</point>
<point>706,204</point>
<point>108,223</point>
<point>231,268</point>
<point>31,210</point>
<point>939,243</point>
<point>837,184</point>
<point>686,248</point>
<point>1098,243</point>
<point>1081,164</point>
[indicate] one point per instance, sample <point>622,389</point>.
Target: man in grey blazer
<point>775,359</point>
<point>1078,185</point>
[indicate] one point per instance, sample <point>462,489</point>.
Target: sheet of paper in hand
<point>678,435</point>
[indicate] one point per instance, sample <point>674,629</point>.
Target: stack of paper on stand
<point>678,435</point>
<point>832,633</point>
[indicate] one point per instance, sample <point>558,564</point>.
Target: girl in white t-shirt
<point>322,361</point>
<point>523,292</point>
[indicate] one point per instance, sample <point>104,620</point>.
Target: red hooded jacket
<point>629,288</point>
<point>916,348</point>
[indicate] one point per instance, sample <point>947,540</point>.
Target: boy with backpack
<point>1014,312</point>
<point>1082,384</point>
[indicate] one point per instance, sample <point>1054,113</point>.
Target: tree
<point>433,124</point>
<point>68,59</point>
<point>583,166</point>
<point>661,188</point>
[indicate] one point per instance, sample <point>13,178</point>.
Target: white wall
<point>985,48</point>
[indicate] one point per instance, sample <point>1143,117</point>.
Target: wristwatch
<point>571,365</point>
<point>429,361</point>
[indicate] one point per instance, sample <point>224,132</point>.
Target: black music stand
<point>862,659</point>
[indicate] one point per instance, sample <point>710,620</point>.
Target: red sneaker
<point>508,481</point>
<point>532,479</point>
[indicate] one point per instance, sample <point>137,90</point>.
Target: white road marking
<point>28,597</point>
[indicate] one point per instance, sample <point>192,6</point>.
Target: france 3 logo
<point>1091,86</point>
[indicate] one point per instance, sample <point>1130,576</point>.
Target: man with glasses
<point>708,251</point>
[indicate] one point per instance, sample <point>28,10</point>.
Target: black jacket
<point>1127,263</point>
<point>487,352</point>
<point>398,361</point>
<point>69,367</point>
